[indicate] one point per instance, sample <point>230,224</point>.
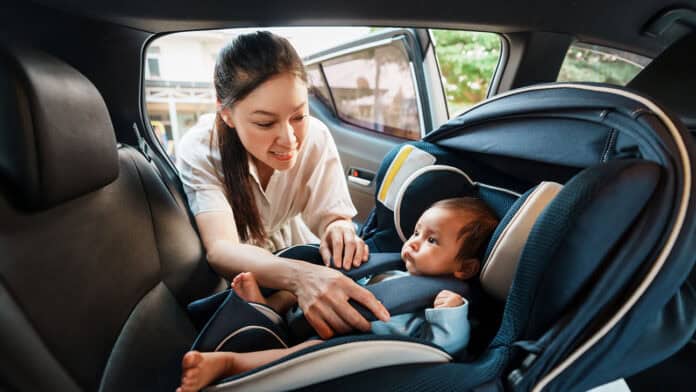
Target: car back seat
<point>98,259</point>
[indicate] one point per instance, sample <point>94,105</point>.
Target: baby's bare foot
<point>244,284</point>
<point>201,369</point>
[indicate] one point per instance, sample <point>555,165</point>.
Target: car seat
<point>587,271</point>
<point>99,259</point>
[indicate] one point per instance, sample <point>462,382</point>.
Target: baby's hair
<point>473,235</point>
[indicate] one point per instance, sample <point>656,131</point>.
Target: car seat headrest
<point>56,137</point>
<point>669,79</point>
<point>510,237</point>
<point>424,187</point>
<point>432,183</point>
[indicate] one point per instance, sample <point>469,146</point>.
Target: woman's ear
<point>226,115</point>
<point>469,269</point>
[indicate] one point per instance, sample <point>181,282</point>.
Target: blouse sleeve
<point>203,188</point>
<point>329,198</point>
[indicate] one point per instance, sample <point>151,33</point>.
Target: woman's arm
<point>322,293</point>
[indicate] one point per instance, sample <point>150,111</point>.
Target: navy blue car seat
<point>239,326</point>
<point>587,281</point>
<point>670,80</point>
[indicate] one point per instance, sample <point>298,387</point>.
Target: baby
<point>447,239</point>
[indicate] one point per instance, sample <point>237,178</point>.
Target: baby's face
<point>433,247</point>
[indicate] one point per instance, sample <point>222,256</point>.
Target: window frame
<point>496,77</point>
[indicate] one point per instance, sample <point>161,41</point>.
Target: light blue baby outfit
<point>446,327</point>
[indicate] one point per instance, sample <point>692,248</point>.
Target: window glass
<point>317,85</point>
<point>467,62</point>
<point>594,63</point>
<point>374,89</point>
<point>178,69</point>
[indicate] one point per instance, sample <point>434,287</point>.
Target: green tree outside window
<point>467,62</point>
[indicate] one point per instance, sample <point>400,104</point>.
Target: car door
<point>374,94</point>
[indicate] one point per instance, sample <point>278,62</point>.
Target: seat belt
<point>142,143</point>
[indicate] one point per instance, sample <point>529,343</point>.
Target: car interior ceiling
<point>105,41</point>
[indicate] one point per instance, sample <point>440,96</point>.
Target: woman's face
<point>272,121</point>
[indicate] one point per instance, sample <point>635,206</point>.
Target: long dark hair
<point>241,66</point>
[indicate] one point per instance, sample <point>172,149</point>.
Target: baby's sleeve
<point>446,327</point>
<point>449,328</point>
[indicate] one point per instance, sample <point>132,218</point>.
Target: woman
<point>268,176</point>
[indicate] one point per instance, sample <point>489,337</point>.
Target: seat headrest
<point>510,237</point>
<point>433,183</point>
<point>56,137</point>
<point>670,79</point>
<point>424,187</point>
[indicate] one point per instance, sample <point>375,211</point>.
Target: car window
<point>317,86</point>
<point>178,71</point>
<point>593,63</point>
<point>372,88</point>
<point>467,60</point>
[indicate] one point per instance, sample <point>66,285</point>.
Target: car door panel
<point>360,150</point>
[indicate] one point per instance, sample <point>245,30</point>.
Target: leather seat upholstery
<point>98,258</point>
<point>52,128</point>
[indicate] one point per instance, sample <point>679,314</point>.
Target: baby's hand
<point>447,299</point>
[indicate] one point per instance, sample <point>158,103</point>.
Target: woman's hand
<point>448,299</point>
<point>341,242</point>
<point>323,295</point>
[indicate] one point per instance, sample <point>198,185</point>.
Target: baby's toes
<point>192,374</point>
<point>191,360</point>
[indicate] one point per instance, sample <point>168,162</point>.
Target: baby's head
<point>448,238</point>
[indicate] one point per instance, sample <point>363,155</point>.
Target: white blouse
<point>297,204</point>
